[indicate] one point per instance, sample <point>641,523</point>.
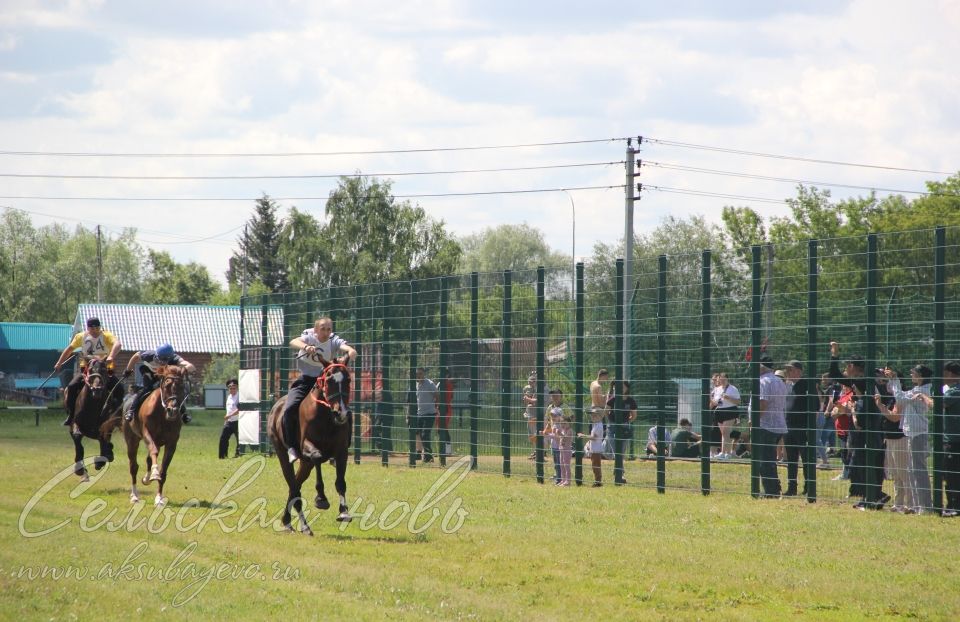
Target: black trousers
<point>291,412</point>
<point>951,475</point>
<point>230,428</point>
<point>794,443</point>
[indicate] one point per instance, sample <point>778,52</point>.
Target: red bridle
<point>322,384</point>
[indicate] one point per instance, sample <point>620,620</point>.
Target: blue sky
<point>861,81</point>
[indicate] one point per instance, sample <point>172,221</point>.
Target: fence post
<point>813,432</point>
<point>474,365</point>
<point>540,412</point>
<point>661,373</point>
<point>412,395</point>
<point>874,440</point>
<point>443,431</point>
<point>358,379</point>
<point>578,377</point>
<point>939,313</point>
<point>706,427</point>
<point>264,372</point>
<point>506,394</point>
<point>616,417</point>
<point>754,369</point>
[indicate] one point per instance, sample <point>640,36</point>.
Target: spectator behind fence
<point>428,400</point>
<point>594,444</point>
<point>551,430</point>
<point>565,435</point>
<point>686,442</point>
<point>230,420</point>
<point>951,436</point>
<point>725,402</point>
<point>773,426</point>
<point>652,441</point>
<point>529,399</point>
<point>797,416</point>
<point>826,430</point>
<point>852,376</point>
<point>896,459</point>
<point>620,428</point>
<point>741,443</point>
<point>445,414</point>
<point>842,416</point>
<point>913,407</point>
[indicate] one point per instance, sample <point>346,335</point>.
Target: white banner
<point>249,380</point>
<point>249,427</point>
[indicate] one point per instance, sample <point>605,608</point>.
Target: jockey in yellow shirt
<point>93,342</point>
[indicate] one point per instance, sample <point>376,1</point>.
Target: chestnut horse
<point>96,409</point>
<point>157,423</point>
<point>326,427</point>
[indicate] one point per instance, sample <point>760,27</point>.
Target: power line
<point>694,169</point>
<point>327,198</point>
<point>92,154</point>
<point>673,143</point>
<point>704,193</point>
<point>319,176</point>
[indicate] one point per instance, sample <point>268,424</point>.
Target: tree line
<point>368,236</point>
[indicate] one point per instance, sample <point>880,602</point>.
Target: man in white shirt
<point>231,420</point>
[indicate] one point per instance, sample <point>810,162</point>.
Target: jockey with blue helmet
<point>150,362</point>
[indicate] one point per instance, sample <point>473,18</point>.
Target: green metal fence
<point>893,298</point>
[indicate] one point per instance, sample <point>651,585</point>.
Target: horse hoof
<point>321,503</point>
<point>306,531</point>
<point>288,529</point>
<point>159,501</point>
<point>78,469</point>
<point>85,477</point>
<point>99,462</point>
<point>134,499</point>
<point>155,475</point>
<point>344,517</point>
<point>145,481</point>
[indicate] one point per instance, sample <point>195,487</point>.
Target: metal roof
<point>34,383</point>
<point>31,336</point>
<point>189,328</point>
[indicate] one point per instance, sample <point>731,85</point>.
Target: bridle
<point>321,384</point>
<point>172,378</point>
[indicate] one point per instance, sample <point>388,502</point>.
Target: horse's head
<point>95,376</point>
<point>334,384</point>
<point>172,390</point>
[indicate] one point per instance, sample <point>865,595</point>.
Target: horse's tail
<point>111,424</point>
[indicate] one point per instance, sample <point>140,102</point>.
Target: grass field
<point>515,550</point>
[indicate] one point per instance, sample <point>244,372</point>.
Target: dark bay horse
<point>157,424</point>
<point>95,413</point>
<point>326,426</point>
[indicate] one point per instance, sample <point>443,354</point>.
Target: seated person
<point>652,441</point>
<point>741,443</point>
<point>686,442</point>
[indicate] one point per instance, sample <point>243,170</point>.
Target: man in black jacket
<point>798,416</point>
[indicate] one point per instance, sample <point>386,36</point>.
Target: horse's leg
<point>303,472</point>
<point>78,467</point>
<point>133,444</point>
<point>341,485</point>
<point>290,477</point>
<point>168,452</point>
<point>153,457</point>
<point>321,501</point>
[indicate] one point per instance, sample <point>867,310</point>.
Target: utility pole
<point>99,266</point>
<point>628,259</point>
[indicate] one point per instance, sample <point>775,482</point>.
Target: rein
<point>163,399</point>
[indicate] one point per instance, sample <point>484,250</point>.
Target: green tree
<point>258,258</point>
<point>303,251</point>
<point>168,282</point>
<point>508,247</point>
<point>371,237</point>
<point>221,368</point>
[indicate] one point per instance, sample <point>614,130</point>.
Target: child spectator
<point>564,432</point>
<point>594,446</point>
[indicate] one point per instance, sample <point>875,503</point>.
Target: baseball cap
<point>766,361</point>
<point>93,322</point>
<point>795,364</point>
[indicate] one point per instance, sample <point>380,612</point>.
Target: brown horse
<point>95,412</point>
<point>326,425</point>
<point>157,423</point>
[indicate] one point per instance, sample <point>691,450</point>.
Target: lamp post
<point>573,243</point>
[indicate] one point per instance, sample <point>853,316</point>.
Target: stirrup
<point>293,455</point>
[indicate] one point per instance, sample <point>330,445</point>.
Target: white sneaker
<point>722,457</point>
<point>293,455</point>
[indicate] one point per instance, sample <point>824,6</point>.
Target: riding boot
<point>72,394</point>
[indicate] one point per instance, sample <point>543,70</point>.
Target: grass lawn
<point>500,548</point>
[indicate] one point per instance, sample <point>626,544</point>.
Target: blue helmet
<point>165,351</point>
